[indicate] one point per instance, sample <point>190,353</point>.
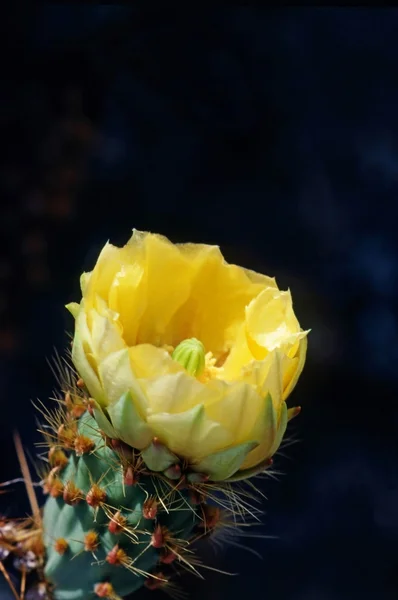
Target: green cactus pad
<point>75,572</point>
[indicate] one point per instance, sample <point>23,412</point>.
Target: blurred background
<point>273,134</point>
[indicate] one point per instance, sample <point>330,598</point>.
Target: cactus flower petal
<point>127,422</point>
<point>224,464</point>
<point>103,421</point>
<point>191,433</point>
<point>157,457</point>
<point>117,377</point>
<point>265,432</point>
<point>174,343</point>
<point>83,358</point>
<point>73,308</point>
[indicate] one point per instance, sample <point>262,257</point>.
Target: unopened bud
<point>190,354</point>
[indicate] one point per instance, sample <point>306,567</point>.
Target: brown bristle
<point>158,536</point>
<point>54,487</point>
<point>90,405</point>
<point>78,410</point>
<point>117,523</point>
<point>61,545</point>
<point>154,584</point>
<point>91,541</point>
<point>130,477</point>
<point>35,544</point>
<point>211,516</point>
<point>66,436</point>
<point>72,495</point>
<point>196,497</point>
<point>95,496</point>
<point>57,457</point>
<point>150,508</point>
<point>167,556</point>
<point>80,383</point>
<point>104,590</point>
<point>68,401</point>
<point>116,556</point>
<point>83,445</point>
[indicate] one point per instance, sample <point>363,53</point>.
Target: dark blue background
<point>273,134</point>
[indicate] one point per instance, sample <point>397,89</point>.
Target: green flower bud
<point>191,355</point>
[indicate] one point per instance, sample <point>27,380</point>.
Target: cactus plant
<point>145,451</point>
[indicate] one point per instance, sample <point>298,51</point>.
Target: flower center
<point>190,353</point>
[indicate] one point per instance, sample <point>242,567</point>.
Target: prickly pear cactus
<point>182,365</point>
<point>116,518</point>
<point>110,523</point>
<point>106,515</point>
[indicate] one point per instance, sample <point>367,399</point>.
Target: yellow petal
<point>148,361</point>
<point>84,279</point>
<point>264,433</point>
<point>264,280</point>
<point>108,264</point>
<point>166,288</point>
<point>117,377</point>
<point>105,335</point>
<point>271,437</point>
<point>294,374</point>
<point>176,393</point>
<point>238,410</point>
<point>190,434</point>
<point>239,356</point>
<point>83,358</point>
<point>266,376</point>
<point>73,308</point>
<point>216,305</point>
<point>271,322</point>
<point>127,297</point>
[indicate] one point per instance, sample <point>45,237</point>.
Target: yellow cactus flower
<point>226,413</point>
